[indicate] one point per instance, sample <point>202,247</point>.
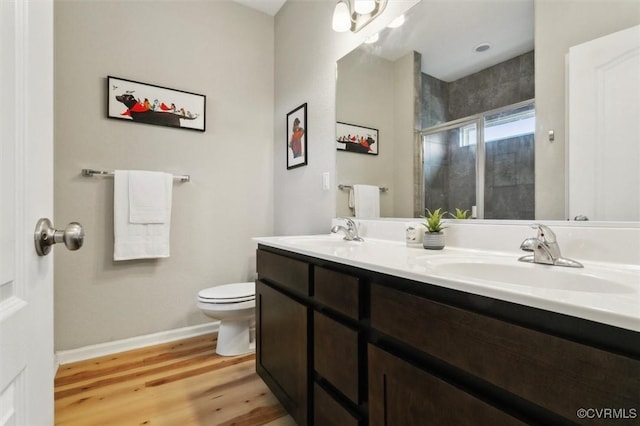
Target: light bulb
<point>364,7</point>
<point>341,18</point>
<point>396,22</point>
<point>372,39</point>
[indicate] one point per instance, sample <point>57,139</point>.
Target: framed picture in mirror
<point>297,137</point>
<point>354,138</point>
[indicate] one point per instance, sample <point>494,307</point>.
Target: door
<point>401,394</point>
<point>604,127</point>
<point>26,194</point>
<point>281,349</point>
<point>450,167</point>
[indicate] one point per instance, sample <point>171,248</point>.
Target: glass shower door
<point>450,166</point>
<point>509,174</point>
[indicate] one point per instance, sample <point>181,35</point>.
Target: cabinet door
<point>281,349</point>
<point>401,394</point>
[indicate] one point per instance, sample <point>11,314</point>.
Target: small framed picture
<point>353,138</point>
<point>147,103</point>
<point>297,137</point>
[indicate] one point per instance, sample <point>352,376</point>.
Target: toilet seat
<point>228,293</point>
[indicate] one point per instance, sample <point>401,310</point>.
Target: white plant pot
<point>433,240</point>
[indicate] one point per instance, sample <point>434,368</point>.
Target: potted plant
<point>434,237</point>
<point>460,214</point>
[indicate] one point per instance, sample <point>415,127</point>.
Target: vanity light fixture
<point>364,7</point>
<point>341,18</point>
<point>372,39</point>
<point>398,22</point>
<point>354,15</point>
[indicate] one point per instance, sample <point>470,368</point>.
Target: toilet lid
<point>237,292</point>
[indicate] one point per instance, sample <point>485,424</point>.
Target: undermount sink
<point>510,271</point>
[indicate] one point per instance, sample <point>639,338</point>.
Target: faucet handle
<point>350,223</point>
<point>545,234</point>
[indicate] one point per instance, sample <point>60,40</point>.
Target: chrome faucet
<point>545,249</point>
<point>350,232</point>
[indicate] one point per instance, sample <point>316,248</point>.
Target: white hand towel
<point>148,196</point>
<point>138,240</point>
<point>366,200</point>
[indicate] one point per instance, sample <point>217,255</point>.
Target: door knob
<point>46,235</point>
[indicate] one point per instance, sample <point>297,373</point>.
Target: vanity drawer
<point>557,374</point>
<point>335,353</point>
<point>286,272</point>
<point>401,394</point>
<point>328,412</point>
<point>337,291</point>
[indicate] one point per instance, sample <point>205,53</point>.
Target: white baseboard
<point>109,348</point>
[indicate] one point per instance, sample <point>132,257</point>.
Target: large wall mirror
<point>451,97</point>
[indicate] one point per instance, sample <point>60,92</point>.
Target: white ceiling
<point>270,7</point>
<point>446,32</point>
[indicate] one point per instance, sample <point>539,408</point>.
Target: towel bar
<point>91,173</point>
<point>343,187</point>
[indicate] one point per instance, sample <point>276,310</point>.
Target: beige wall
<point>365,96</point>
<point>408,91</point>
<point>374,92</point>
<point>558,26</point>
<point>220,49</point>
<point>305,71</point>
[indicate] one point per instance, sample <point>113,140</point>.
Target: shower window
<point>468,135</point>
<point>484,161</point>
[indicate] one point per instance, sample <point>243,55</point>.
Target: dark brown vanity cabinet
<point>338,348</point>
<point>329,412</point>
<point>401,394</point>
<point>282,338</point>
<point>336,355</point>
<point>340,345</point>
<point>557,374</point>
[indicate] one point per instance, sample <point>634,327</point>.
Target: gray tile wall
<point>503,84</point>
<point>509,179</point>
<point>435,100</point>
<point>450,169</point>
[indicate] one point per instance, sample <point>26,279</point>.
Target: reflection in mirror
<point>482,164</point>
<point>435,88</point>
<point>605,140</point>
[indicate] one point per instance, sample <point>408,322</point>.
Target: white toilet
<point>234,305</point>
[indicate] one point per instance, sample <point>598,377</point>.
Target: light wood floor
<point>175,384</point>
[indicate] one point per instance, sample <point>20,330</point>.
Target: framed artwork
<point>150,104</point>
<point>297,137</point>
<point>353,138</point>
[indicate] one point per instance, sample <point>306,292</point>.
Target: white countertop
<point>580,292</point>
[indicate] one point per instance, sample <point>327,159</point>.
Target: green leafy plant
<point>460,214</point>
<point>433,220</point>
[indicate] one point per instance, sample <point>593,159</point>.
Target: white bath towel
<point>148,192</point>
<point>138,240</point>
<point>366,200</point>
<point>351,202</point>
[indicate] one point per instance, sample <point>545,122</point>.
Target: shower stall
<point>483,164</point>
